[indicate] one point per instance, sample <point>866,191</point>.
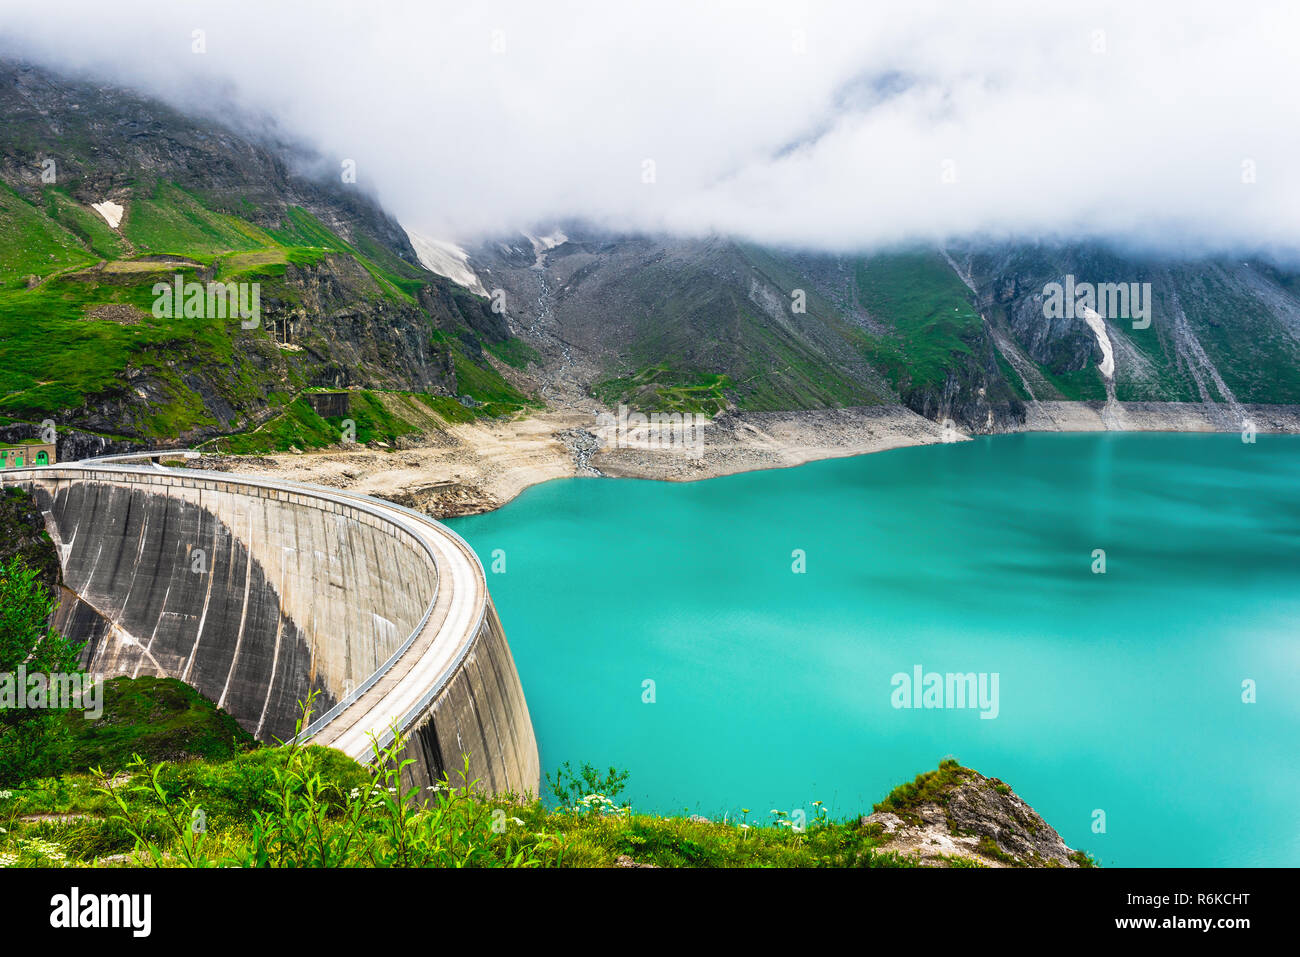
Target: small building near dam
<point>25,455</point>
<point>329,405</point>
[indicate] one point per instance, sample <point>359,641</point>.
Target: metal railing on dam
<point>257,591</point>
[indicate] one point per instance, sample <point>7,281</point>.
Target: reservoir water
<point>1119,693</point>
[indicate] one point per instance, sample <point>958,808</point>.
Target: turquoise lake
<point>1119,692</point>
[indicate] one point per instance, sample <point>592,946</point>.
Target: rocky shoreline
<point>470,468</point>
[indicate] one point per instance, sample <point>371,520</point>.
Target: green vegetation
<point>32,244</point>
<point>685,317</point>
<point>166,779</point>
<point>451,410</point>
<point>661,389</point>
<point>171,221</point>
<point>1241,337</point>
<point>989,848</point>
<point>77,324</point>
<point>515,353</point>
<point>160,719</point>
<point>577,790</point>
<point>56,354</point>
<point>295,806</point>
<point>298,426</point>
<point>932,787</point>
<point>374,423</point>
<point>1082,385</point>
<point>87,225</point>
<point>31,738</point>
<point>394,278</point>
<point>929,309</point>
<point>1012,378</point>
<point>485,385</point>
<point>79,334</point>
<point>23,537</point>
<point>76,335</point>
<point>710,325</point>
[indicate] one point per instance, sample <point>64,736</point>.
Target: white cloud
<point>840,145</point>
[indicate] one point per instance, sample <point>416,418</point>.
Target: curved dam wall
<point>257,592</point>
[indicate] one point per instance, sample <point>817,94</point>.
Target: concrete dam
<point>257,592</point>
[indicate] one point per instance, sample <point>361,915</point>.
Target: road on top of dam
<point>431,658</point>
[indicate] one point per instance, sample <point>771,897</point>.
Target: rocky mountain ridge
<point>960,333</point>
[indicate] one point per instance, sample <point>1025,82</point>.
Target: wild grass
<point>485,385</point>
<point>33,244</point>
<point>928,307</point>
<point>659,388</point>
<point>515,353</point>
<point>59,262</point>
<point>157,718</point>
<point>305,806</point>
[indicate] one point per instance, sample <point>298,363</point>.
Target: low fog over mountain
<point>834,126</point>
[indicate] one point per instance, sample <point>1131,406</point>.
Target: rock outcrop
<point>955,816</point>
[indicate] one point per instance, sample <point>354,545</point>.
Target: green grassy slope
<point>933,323</point>
<point>344,302</point>
<point>160,719</point>
<point>32,244</point>
<point>61,266</point>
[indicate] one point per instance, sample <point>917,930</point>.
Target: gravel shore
<point>471,468</point>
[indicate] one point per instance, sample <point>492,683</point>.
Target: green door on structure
<point>42,458</point>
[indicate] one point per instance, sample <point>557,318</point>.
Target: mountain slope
<point>107,197</point>
<point>344,301</point>
<point>960,334</point>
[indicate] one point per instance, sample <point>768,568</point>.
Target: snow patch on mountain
<point>544,244</point>
<point>548,242</point>
<point>111,212</point>
<point>1098,326</point>
<point>446,259</point>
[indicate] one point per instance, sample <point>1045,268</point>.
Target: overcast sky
<point>838,125</point>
